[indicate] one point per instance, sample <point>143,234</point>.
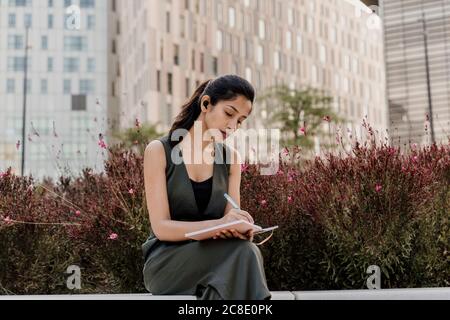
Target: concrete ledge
<point>383,294</point>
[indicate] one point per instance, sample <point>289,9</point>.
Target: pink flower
<point>415,158</point>
<point>404,169</point>
<point>378,188</point>
<point>302,131</point>
<point>131,191</point>
<point>78,213</point>
<point>7,220</point>
<point>414,146</point>
<point>263,202</point>
<point>290,199</point>
<point>286,151</point>
<point>113,236</point>
<point>290,178</point>
<point>102,144</point>
<point>327,118</point>
<point>2,174</point>
<point>244,168</point>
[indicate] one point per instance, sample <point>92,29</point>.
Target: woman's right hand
<point>236,214</point>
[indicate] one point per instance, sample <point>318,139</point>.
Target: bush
<point>338,214</point>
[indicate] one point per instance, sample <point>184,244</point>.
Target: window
<point>12,20</point>
<point>44,42</point>
<point>19,3</point>
<point>28,20</point>
<point>87,3</point>
<point>79,102</point>
<point>71,64</point>
<point>168,22</point>
<point>176,55</point>
<point>91,65</point>
<point>260,57</point>
<point>10,86</point>
<point>322,54</point>
<point>87,86</point>
<point>288,40</point>
<point>188,87</point>
<point>182,26</point>
<point>299,44</point>
<point>262,29</point>
<point>67,86</point>
<point>44,86</point>
<point>75,43</point>
<point>15,42</point>
<point>215,66</point>
<point>202,62</point>
<point>169,114</point>
<point>50,21</point>
<point>158,80</point>
<point>314,74</point>
<point>169,83</point>
<point>290,16</point>
<point>277,60</point>
<point>49,64</point>
<point>219,39</point>
<point>17,63</point>
<point>248,74</point>
<point>90,22</point>
<point>231,17</point>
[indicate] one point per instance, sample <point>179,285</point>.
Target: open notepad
<point>241,226</point>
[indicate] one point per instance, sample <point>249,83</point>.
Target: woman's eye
<point>228,114</point>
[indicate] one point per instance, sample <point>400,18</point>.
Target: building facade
<point>417,33</point>
<point>166,48</point>
<point>67,87</point>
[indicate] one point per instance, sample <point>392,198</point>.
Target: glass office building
<point>67,87</point>
<point>417,44</point>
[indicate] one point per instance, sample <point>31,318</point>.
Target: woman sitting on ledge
<point>183,197</point>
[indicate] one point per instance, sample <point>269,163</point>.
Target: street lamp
<point>24,109</point>
<point>427,66</point>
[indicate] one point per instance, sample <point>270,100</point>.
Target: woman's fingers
<point>247,216</point>
<point>238,235</point>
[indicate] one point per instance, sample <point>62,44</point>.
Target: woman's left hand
<point>232,233</point>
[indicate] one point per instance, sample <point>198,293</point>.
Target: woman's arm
<point>163,227</point>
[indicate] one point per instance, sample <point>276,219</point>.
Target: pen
<point>230,200</point>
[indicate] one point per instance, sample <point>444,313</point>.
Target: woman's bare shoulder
<point>154,152</point>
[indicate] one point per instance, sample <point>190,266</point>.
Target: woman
<point>183,197</point>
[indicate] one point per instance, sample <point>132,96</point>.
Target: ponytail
<point>189,111</point>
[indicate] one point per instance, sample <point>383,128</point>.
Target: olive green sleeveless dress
<point>229,269</point>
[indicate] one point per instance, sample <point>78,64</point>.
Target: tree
<point>299,113</point>
<point>138,137</point>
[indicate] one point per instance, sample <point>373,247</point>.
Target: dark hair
<point>227,87</point>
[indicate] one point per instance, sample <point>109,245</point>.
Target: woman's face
<point>226,116</point>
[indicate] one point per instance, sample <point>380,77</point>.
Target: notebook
<point>241,226</point>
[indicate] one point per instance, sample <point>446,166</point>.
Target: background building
<point>166,48</point>
<point>405,22</point>
<point>67,84</point>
